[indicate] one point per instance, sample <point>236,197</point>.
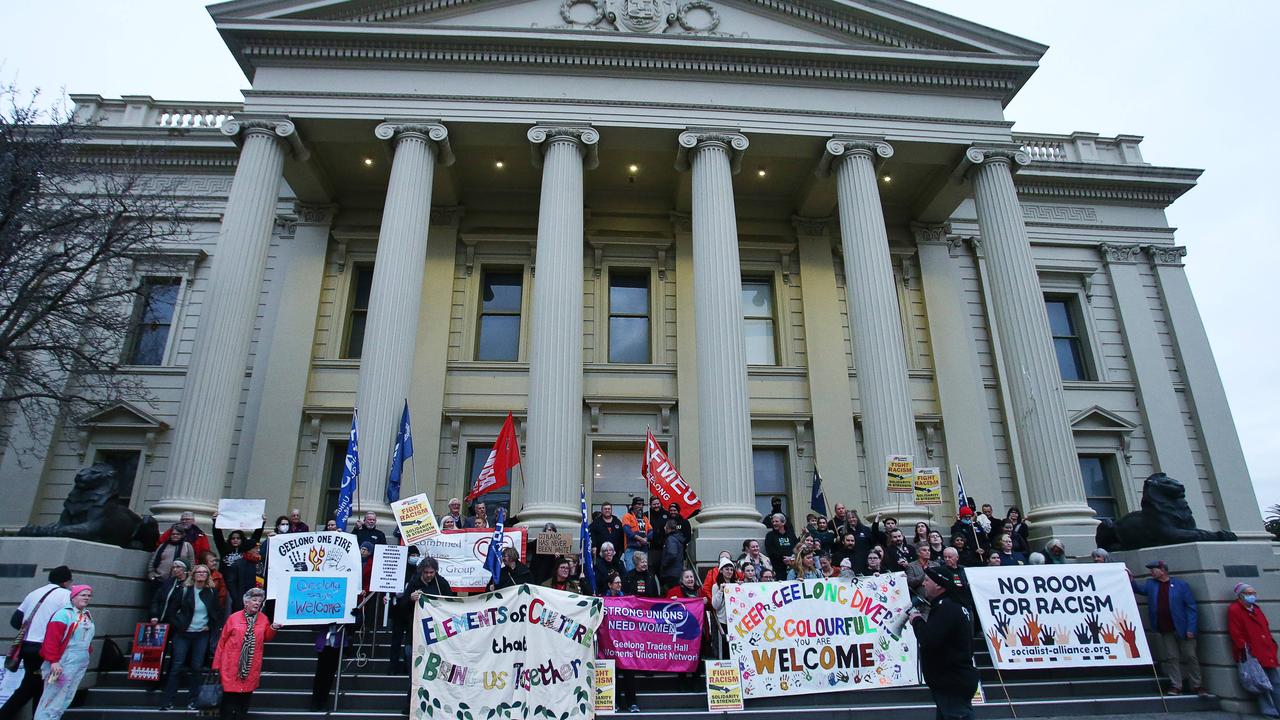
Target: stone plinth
<point>1212,569</point>
<point>118,576</point>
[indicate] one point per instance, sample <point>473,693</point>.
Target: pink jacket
<point>226,659</point>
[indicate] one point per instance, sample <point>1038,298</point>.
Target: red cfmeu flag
<point>504,456</point>
<point>665,482</point>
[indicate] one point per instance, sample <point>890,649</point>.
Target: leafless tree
<point>73,225</point>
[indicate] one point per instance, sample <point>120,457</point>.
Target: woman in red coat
<point>238,659</point>
<point>1247,625</point>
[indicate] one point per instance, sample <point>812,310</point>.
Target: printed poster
<point>820,636</point>
<point>415,518</point>
<point>389,565</point>
<point>606,688</point>
<point>331,559</point>
<point>1059,615</point>
<point>516,653</point>
<point>662,635</point>
<point>147,654</point>
<point>461,554</point>
<point>928,486</point>
<point>724,686</point>
<point>901,473</point>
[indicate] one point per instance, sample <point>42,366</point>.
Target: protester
<point>805,566</point>
<point>747,572</point>
<point>767,575</point>
<point>946,644</point>
<point>875,562</point>
<point>295,522</point>
<point>916,570</point>
<point>368,532</point>
<point>455,512</point>
<point>637,531</point>
<point>825,566</point>
<point>174,548</point>
<point>975,537</point>
<point>66,653</point>
<point>673,513</point>
<point>608,562</point>
<point>921,536</point>
<point>428,582</point>
<point>238,659</point>
<point>1100,555</point>
<point>1251,633</point>
<point>775,508</point>
<point>564,577</point>
<point>216,581</point>
<point>235,576</point>
<point>186,526</point>
<point>200,616</point>
<point>823,535</point>
<point>845,569</point>
<point>329,643</point>
<point>167,600</point>
<point>985,519</point>
<point>1055,553</point>
<point>672,554</point>
<point>846,549</point>
<point>687,587</point>
<point>898,554</point>
<point>780,544</point>
<point>331,525</point>
<point>479,516</point>
<point>30,620</point>
<point>754,557</point>
<point>1174,619</point>
<point>994,560</point>
<point>513,572</point>
<point>1019,530</point>
<point>448,523</point>
<point>1008,556</point>
<point>642,582</point>
<point>966,554</point>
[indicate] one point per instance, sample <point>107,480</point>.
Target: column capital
<point>693,139</point>
<point>310,214</point>
<point>280,129</point>
<point>847,146</point>
<point>932,234</point>
<point>431,132</point>
<point>584,137</point>
<point>812,227</point>
<point>1119,254</point>
<point>681,222</point>
<point>1166,254</point>
<point>1010,155</point>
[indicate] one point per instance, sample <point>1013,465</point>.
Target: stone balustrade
<point>145,111</point>
<point>1082,147</point>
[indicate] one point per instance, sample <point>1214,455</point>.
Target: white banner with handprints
<point>316,576</point>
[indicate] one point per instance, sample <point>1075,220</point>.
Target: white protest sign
<point>1046,616</point>
<point>316,576</point>
<point>461,554</point>
<point>240,513</point>
<point>389,563</point>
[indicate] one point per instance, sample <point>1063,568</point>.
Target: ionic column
<point>390,336</point>
<point>555,361</point>
<point>1055,491</point>
<point>205,426</point>
<point>724,416</point>
<point>888,424</point>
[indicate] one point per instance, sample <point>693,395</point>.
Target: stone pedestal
<point>1212,569</point>
<point>121,592</point>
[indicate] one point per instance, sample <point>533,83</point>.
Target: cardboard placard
<point>606,688</point>
<point>416,519</point>
<point>900,473</point>
<point>928,486</point>
<point>724,685</point>
<point>550,543</point>
<point>389,563</point>
<point>147,654</point>
<point>240,513</point>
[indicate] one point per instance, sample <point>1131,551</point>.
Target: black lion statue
<point>1165,519</point>
<point>93,511</point>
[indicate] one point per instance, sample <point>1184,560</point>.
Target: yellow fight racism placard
<point>928,486</point>
<point>901,473</point>
<point>416,519</point>
<point>519,652</point>
<point>606,688</point>
<point>724,686</point>
<point>821,635</point>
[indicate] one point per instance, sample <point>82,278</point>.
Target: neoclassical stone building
<point>779,233</point>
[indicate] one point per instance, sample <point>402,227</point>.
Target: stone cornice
<point>735,143</point>
<point>585,137</point>
<point>1115,192</point>
<point>431,132</point>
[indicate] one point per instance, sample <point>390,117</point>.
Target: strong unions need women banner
<point>822,635</point>
<point>647,634</point>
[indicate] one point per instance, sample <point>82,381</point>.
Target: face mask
<point>414,560</point>
<point>283,527</point>
<point>1250,599</point>
<point>966,521</point>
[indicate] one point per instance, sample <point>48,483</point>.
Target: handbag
<point>210,695</point>
<point>1252,677</point>
<point>13,658</point>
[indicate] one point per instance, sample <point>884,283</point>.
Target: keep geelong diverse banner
<point>822,635</point>
<point>1059,615</point>
<point>520,652</point>
<point>648,634</point>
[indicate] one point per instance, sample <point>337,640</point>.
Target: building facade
<point>781,234</point>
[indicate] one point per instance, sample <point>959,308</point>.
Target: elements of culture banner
<point>822,635</point>
<point>525,652</point>
<point>1059,615</point>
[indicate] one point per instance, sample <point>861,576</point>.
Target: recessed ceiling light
<point>633,169</point>
<point>762,172</point>
<point>368,162</point>
<point>887,178</point>
<point>499,164</point>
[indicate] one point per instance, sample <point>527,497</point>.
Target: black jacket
<point>518,575</point>
<point>365,534</point>
<point>607,532</point>
<point>164,605</point>
<point>187,607</point>
<point>603,569</point>
<point>946,648</point>
<point>632,581</point>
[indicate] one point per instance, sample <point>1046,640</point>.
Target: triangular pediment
<point>1099,419</point>
<point>122,415</point>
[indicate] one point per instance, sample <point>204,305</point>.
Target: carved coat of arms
<point>643,16</point>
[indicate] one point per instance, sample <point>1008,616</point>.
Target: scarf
<point>249,646</point>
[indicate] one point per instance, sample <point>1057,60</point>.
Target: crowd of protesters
<point>212,599</point>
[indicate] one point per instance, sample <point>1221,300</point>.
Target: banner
<point>821,635</point>
<point>389,563</point>
<point>1064,615</point>
<point>240,514</point>
<point>900,470</point>
<point>328,567</point>
<point>520,652</point>
<point>461,554</point>
<point>724,686</point>
<point>416,519</point>
<point>665,482</point>
<point>148,650</point>
<point>651,634</point>
<point>606,688</point>
<point>928,487</point>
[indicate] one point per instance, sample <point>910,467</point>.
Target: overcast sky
<point>1190,76</point>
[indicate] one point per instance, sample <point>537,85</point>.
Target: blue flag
<point>962,500</point>
<point>493,560</point>
<point>350,478</point>
<point>401,452</point>
<point>819,500</point>
<point>588,568</point>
